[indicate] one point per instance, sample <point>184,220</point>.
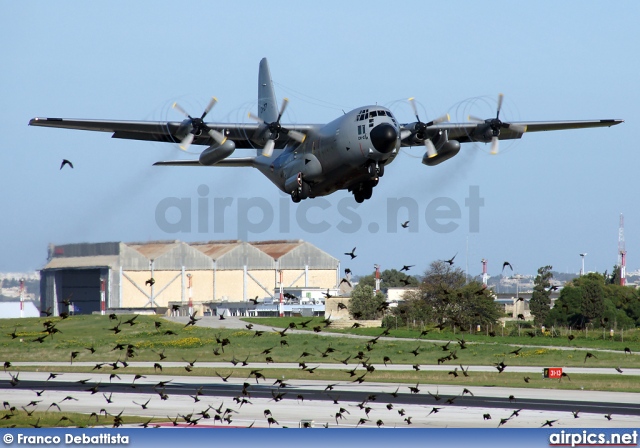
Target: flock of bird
<point>360,368</point>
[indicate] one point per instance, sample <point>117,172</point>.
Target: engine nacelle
<point>215,153</point>
<point>446,151</point>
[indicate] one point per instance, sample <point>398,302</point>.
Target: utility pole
<point>22,297</point>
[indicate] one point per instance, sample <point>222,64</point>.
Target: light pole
<point>582,270</point>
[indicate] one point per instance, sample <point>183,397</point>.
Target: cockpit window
<point>373,113</point>
<point>363,115</point>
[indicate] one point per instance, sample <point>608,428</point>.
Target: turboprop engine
<point>215,153</point>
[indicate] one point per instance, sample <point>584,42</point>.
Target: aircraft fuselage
<point>350,152</point>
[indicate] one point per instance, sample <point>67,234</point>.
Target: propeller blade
<point>212,103</point>
<point>267,151</point>
<point>415,109</point>
<point>296,135</point>
<point>431,149</point>
<point>445,117</point>
<point>285,101</point>
<point>517,128</point>
<point>475,119</point>
<point>217,136</point>
<point>177,107</point>
<point>186,142</point>
<point>494,145</point>
<point>500,98</point>
<point>256,118</point>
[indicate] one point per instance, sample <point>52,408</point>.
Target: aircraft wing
<point>165,131</point>
<point>465,132</point>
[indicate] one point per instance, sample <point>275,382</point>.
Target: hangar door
<point>82,288</point>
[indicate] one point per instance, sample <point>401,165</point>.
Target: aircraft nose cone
<point>384,137</point>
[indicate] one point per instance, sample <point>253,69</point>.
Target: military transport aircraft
<point>310,160</point>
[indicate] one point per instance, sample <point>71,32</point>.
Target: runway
<point>379,404</point>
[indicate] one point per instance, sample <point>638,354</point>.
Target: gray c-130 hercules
<point>310,160</point>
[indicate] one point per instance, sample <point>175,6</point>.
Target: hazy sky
<point>546,198</point>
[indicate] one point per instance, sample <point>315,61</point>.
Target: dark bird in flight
<point>505,264</point>
<point>434,411</point>
<point>150,282</point>
<point>608,417</point>
<point>618,369</point>
<point>406,267</point>
<point>352,253</point>
<point>589,355</point>
<point>548,423</point>
<point>516,351</point>
<point>255,301</point>
<point>627,350</point>
<point>571,337</point>
<point>405,224</point>
<point>131,321</point>
<point>65,162</point>
<point>486,416</point>
<point>575,414</point>
<point>526,379</point>
<point>450,261</point>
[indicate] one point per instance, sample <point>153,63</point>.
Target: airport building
<point>151,276</point>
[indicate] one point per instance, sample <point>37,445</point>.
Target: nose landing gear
<point>302,191</point>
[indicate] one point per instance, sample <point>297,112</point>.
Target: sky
<point>542,200</point>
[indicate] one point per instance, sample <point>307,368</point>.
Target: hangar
<point>148,276</point>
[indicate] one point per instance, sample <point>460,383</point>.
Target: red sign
<point>553,372</point>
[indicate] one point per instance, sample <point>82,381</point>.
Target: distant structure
<point>377,266</point>
<point>485,276</point>
<point>155,275</point>
<point>622,253</point>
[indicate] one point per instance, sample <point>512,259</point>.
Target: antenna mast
<point>622,253</point>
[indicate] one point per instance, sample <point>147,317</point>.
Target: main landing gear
<point>364,190</point>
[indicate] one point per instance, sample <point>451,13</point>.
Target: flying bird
<point>66,162</point>
<point>352,253</point>
<point>505,264</point>
<point>405,224</point>
<point>450,261</point>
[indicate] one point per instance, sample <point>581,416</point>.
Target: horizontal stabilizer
<point>237,161</point>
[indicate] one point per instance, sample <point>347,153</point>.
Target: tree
<point>593,297</point>
<point>444,299</point>
<point>390,278</point>
<point>540,303</point>
<point>364,301</point>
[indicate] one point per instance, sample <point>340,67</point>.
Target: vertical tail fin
<point>267,107</point>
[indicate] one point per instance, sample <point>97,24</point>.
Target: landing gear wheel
<point>367,191</point>
<point>380,170</point>
<point>295,196</point>
<point>358,196</point>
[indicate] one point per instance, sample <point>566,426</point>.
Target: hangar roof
<point>174,254</point>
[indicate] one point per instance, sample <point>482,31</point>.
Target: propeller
<point>496,124</point>
<point>275,128</point>
<point>421,129</point>
<point>198,126</point>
